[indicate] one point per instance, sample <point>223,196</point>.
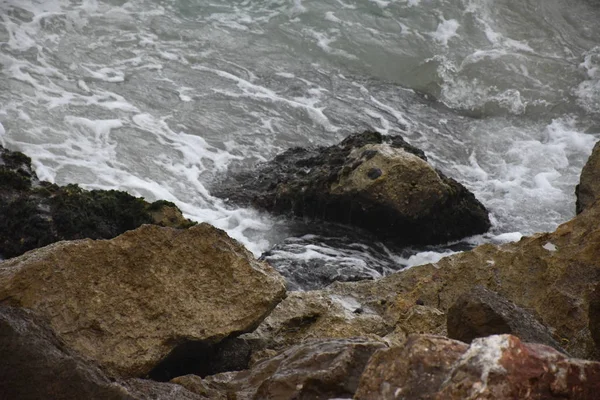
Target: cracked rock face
<point>126,303</point>
<point>378,183</point>
<point>496,367</point>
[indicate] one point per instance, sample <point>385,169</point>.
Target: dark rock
<point>497,367</point>
<point>594,316</point>
<point>379,183</point>
<point>34,214</point>
<point>318,369</point>
<point>588,190</point>
<point>36,365</point>
<point>482,312</point>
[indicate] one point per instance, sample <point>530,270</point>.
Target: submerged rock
<point>379,183</point>
<point>588,190</point>
<point>320,369</point>
<point>496,367</point>
<point>481,312</point>
<point>129,302</point>
<point>35,213</point>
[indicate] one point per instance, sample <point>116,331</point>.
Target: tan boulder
<point>496,367</point>
<point>316,315</point>
<point>129,301</point>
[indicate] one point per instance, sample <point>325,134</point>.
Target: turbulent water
<point>161,98</point>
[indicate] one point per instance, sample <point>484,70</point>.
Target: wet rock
<point>130,301</point>
<point>379,183</point>
<point>588,190</point>
<point>34,213</point>
<point>481,312</point>
<point>550,274</point>
<point>495,367</point>
<point>319,369</point>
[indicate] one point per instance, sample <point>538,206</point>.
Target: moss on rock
<point>35,215</point>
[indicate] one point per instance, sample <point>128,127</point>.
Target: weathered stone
<point>318,369</point>
<point>481,312</point>
<point>415,370</point>
<point>315,315</point>
<point>497,367</point>
<point>128,302</point>
<point>550,274</point>
<point>34,214</point>
<point>588,190</point>
<point>379,183</point>
<point>37,365</point>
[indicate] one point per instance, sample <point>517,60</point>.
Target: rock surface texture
<point>321,369</point>
<point>497,367</point>
<point>379,183</point>
<point>550,274</point>
<point>35,213</point>
<point>126,303</point>
<point>588,190</point>
<point>481,312</point>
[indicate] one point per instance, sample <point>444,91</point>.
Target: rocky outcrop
<point>379,183</point>
<point>37,365</point>
<point>128,302</point>
<point>34,213</point>
<point>588,190</point>
<point>550,274</point>
<point>496,367</point>
<point>321,369</point>
<point>481,312</point>
<point>594,316</point>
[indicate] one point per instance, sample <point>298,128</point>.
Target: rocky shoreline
<point>177,310</point>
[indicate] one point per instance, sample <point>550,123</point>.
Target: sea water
<point>162,98</point>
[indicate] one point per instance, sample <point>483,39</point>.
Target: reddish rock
<point>496,367</point>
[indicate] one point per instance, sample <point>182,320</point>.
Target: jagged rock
<point>497,367</point>
<point>551,274</point>
<point>128,302</point>
<point>588,190</point>
<point>379,183</point>
<point>311,315</point>
<point>414,370</point>
<point>318,369</point>
<point>34,213</point>
<point>37,365</point>
<point>481,312</point>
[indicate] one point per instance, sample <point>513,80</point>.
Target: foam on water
<point>163,99</point>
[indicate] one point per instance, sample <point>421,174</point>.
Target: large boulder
<point>549,274</point>
<point>481,312</point>
<point>130,301</point>
<point>588,190</point>
<point>496,367</point>
<point>37,365</point>
<point>319,369</point>
<point>379,183</point>
<point>35,213</point>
